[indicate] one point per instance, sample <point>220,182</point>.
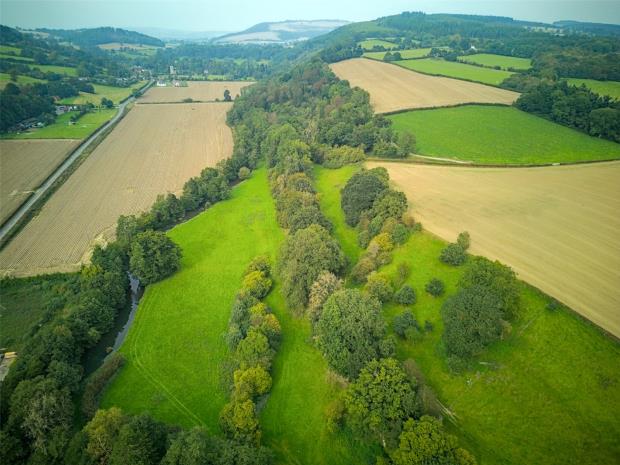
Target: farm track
<point>393,88</point>
<point>153,150</point>
<point>557,227</point>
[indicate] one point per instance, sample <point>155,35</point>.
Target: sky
<point>236,15</point>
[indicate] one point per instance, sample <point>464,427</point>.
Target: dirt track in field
<point>203,91</point>
<point>153,150</point>
<point>393,88</point>
<point>24,165</point>
<point>557,227</point>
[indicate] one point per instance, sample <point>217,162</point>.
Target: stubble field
<point>393,88</point>
<point>557,227</point>
<point>153,150</point>
<point>24,165</point>
<point>200,91</point>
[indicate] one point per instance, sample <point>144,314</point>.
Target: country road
<point>11,222</point>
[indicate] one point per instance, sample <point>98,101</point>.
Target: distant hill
<point>590,28</point>
<point>102,35</point>
<point>179,34</point>
<point>283,31</point>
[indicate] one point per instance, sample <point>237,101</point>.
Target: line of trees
<point>253,338</point>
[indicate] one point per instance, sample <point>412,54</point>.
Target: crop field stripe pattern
<point>394,88</point>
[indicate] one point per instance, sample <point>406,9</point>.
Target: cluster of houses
<point>62,109</point>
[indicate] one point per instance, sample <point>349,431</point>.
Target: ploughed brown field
<point>557,227</point>
<point>202,91</point>
<point>393,88</point>
<point>153,150</point>
<point>24,165</point>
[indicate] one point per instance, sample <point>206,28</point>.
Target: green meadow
<point>504,62</point>
<point>405,54</point>
<point>14,57</point>
<point>5,78</point>
<point>453,69</point>
<point>368,44</point>
<point>10,48</point>
<point>61,129</point>
<point>116,94</point>
<point>499,135</point>
<point>610,88</point>
<point>548,393</point>
<point>68,70</point>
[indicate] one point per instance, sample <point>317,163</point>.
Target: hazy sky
<point>234,15</point>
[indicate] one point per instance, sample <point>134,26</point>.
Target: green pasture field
<point>5,78</point>
<point>453,69</point>
<point>549,393</point>
<point>368,44</point>
<point>610,88</point>
<point>68,70</point>
<point>15,57</point>
<point>116,94</point>
<point>499,135</point>
<point>10,48</point>
<point>61,129</point>
<point>491,60</point>
<point>22,305</point>
<point>405,54</point>
<point>175,347</point>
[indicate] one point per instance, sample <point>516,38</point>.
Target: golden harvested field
<point>196,90</point>
<point>153,150</point>
<point>557,227</point>
<point>393,88</point>
<point>24,165</point>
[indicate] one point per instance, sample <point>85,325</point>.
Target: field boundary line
<point>464,164</point>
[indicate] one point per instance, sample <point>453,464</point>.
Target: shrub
<point>153,256</point>
<point>256,284</point>
<point>244,173</point>
<point>254,350</point>
<point>97,382</point>
<point>404,322</point>
<point>360,193</point>
<point>362,269</point>
<point>403,271</point>
<point>453,255</point>
<point>324,286</point>
<point>472,319</point>
<point>252,382</point>
<point>350,330</point>
<point>239,422</point>
<point>379,286</point>
<point>463,240</point>
<point>336,157</point>
<point>260,263</point>
<point>435,287</point>
<point>405,295</point>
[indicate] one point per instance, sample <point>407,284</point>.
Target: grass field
<point>499,135</point>
<point>504,62</point>
<point>61,129</point>
<point>15,57</point>
<point>68,70</point>
<point>24,165</point>
<point>549,394</point>
<point>116,94</point>
<point>9,48</point>
<point>202,91</point>
<point>370,43</point>
<point>154,149</point>
<point>175,346</point>
<point>405,54</point>
<point>5,78</point>
<point>610,88</point>
<point>393,88</point>
<point>438,67</point>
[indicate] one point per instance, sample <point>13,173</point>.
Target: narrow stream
<point>113,339</point>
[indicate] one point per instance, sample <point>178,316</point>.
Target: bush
<point>362,269</point>
<point>453,255</point>
<point>336,157</point>
<point>405,295</point>
<point>244,173</point>
<point>463,240</point>
<point>239,422</point>
<point>435,287</point>
<point>360,193</point>
<point>251,383</point>
<point>379,287</point>
<point>324,286</point>
<point>260,263</point>
<point>403,323</point>
<point>256,284</point>
<point>153,256</point>
<point>97,382</point>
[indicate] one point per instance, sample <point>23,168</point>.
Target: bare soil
<point>153,150</point>
<point>393,88</point>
